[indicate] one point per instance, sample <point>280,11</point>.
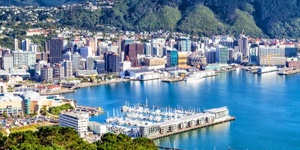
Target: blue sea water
<point>266,108</point>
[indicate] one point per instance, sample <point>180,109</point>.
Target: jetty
<point>157,122</point>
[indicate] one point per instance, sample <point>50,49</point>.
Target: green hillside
<point>272,18</point>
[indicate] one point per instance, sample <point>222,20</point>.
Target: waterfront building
<point>154,61</point>
<point>47,74</point>
<point>125,65</point>
<point>77,120</point>
<point>112,62</point>
<point>184,44</point>
<point>58,71</point>
<point>68,69</point>
<point>85,51</point>
<point>24,58</point>
<point>55,47</point>
<point>182,58</point>
<point>291,51</point>
<point>222,55</point>
<point>172,58</point>
<point>131,53</point>
<point>97,127</point>
<point>274,56</point>
<point>7,62</point>
<point>195,60</point>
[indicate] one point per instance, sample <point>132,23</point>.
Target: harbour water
<point>266,108</point>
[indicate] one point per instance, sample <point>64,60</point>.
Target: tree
<point>5,115</point>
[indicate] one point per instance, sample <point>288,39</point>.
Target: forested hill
<point>37,2</point>
<point>273,18</point>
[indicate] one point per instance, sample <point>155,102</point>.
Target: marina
<point>156,122</point>
<point>268,104</point>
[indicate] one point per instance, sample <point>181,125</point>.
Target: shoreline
<point>83,85</point>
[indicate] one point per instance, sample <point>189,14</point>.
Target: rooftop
<point>77,114</point>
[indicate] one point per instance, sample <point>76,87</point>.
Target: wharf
<point>288,72</point>
<point>172,79</point>
<point>190,128</point>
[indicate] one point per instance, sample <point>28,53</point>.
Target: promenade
<point>82,85</point>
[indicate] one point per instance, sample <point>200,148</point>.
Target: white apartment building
<point>77,120</point>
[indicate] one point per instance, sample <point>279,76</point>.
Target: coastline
<point>83,85</point>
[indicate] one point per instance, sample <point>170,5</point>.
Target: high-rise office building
<point>100,66</point>
<point>182,59</point>
<point>90,64</point>
<point>25,44</point>
<point>112,62</point>
<point>16,44</point>
<point>76,61</point>
<point>24,58</point>
<point>85,51</point>
<point>132,51</point>
<point>7,62</point>
<point>47,74</point>
<point>184,44</point>
<point>56,47</point>
<point>58,71</point>
<point>172,58</point>
<point>147,49</point>
<point>33,47</point>
<point>222,55</point>
<point>68,69</point>
<point>243,45</point>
